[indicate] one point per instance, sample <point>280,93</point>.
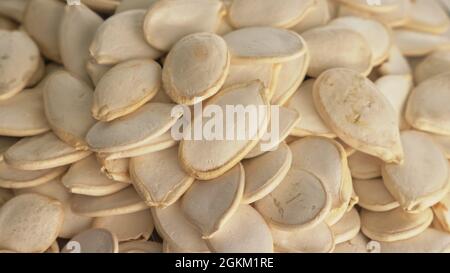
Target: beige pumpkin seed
<point>208,205</point>
<point>287,119</point>
<point>158,177</point>
<point>208,159</point>
<point>396,63</point>
<point>359,244</point>
<point>427,16</point>
<point>382,7</point>
<point>13,9</point>
<point>364,166</point>
<point>141,78</point>
<point>300,201</point>
<point>41,20</point>
<point>121,202</point>
<point>130,226</point>
<point>94,240</point>
<point>245,231</point>
<point>96,71</point>
<point>264,45</point>
<point>85,177</point>
<point>442,212</point>
<point>5,195</point>
<point>359,113</point>
<point>116,169</point>
<point>38,74</point>
<point>352,51</point>
<point>412,43</point>
<point>102,6</point>
<point>429,241</point>
<point>140,247</point>
<point>318,239</point>
<point>318,15</point>
<point>42,152</point>
<point>157,144</point>
<point>73,223</point>
<point>120,38</point>
<point>327,160</point>
<point>67,103</point>
<point>394,225</point>
<point>166,22</point>
<point>16,179</point>
<point>285,14</point>
<point>173,227</point>
<point>444,143</point>
<point>291,75</point>
<point>347,227</point>
<point>427,107</point>
<point>19,62</point>
<point>377,35</point>
<point>436,63</point>
<point>423,179</point>
<point>23,115</point>
<point>396,88</point>
<point>265,172</point>
<point>134,130</point>
<point>77,29</point>
<point>30,223</point>
<point>196,68</point>
<point>125,5</point>
<point>311,123</point>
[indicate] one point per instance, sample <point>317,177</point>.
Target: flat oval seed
<point>15,179</point>
<point>173,226</point>
<point>318,15</point>
<point>352,51</point>
<point>248,13</point>
<point>94,240</point>
<point>396,63</point>
<point>423,179</point>
<point>148,122</point>
<point>364,166</point>
<point>264,45</point>
<point>140,246</point>
<point>166,22</point>
<point>300,201</point>
<point>130,226</point>
<point>444,144</point>
<point>208,205</point>
<point>412,43</point>
<point>326,159</point>
<point>427,107</point>
<point>358,113</point>
<point>141,78</point>
<point>318,239</point>
<point>158,177</point>
<point>208,159</point>
<point>347,227</point>
<point>394,225</point>
<point>23,115</point>
<point>264,173</point>
<point>67,103</point>
<point>374,196</point>
<point>30,223</point>
<point>377,35</point>
<point>120,38</point>
<point>436,63</point>
<point>311,123</point>
<point>73,223</point>
<point>85,177</point>
<point>42,152</point>
<point>196,68</point>
<point>77,29</point>
<point>122,202</point>
<point>427,16</point>
<point>245,232</point>
<point>19,62</point>
<point>42,19</point>
<point>429,241</point>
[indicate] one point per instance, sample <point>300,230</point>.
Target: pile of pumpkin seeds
<point>89,163</point>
